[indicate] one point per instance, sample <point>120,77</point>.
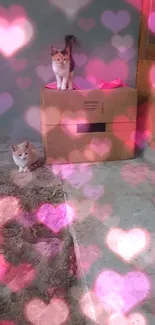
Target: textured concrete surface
<point>104,196</point>
<point>149,154</point>
<point>113,195</point>
<point>38,269</point>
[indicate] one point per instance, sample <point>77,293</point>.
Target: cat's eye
<point>26,153</point>
<point>58,59</point>
<point>20,154</point>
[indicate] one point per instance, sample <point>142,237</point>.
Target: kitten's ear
<point>53,50</point>
<point>26,144</point>
<point>13,147</point>
<point>67,49</point>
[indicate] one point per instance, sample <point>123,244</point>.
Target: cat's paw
<point>59,87</point>
<point>63,87</point>
<point>26,169</point>
<point>20,170</point>
<point>70,87</point>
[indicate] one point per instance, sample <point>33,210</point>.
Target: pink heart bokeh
<point>18,64</point>
<point>92,307</point>
<point>79,178</point>
<point>134,174</point>
<point>7,322</point>
<point>102,212</point>
<point>15,30</point>
<point>32,117</point>
<point>115,21</point>
<point>127,55</point>
<point>152,75</point>
<point>49,248</point>
<point>23,82</point>
<point>45,72</point>
<point>101,147</point>
<point>16,277</point>
<point>151,22</point>
<point>93,192</point>
<point>80,59</point>
<point>86,24</point>
<point>120,293</point>
<point>64,170</point>
<point>10,208</point>
<point>19,277</point>
<point>39,313</point>
<point>6,102</point>
<point>135,3</point>
<point>88,256</point>
<point>112,70</point>
<point>127,244</point>
<point>132,319</point>
<point>57,217</point>
<point>122,43</point>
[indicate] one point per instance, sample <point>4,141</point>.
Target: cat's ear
<point>67,50</point>
<point>53,50</point>
<point>13,147</point>
<point>26,144</point>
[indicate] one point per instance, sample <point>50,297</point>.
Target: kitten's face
<point>60,58</point>
<point>21,151</point>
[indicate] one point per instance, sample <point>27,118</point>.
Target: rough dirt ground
<point>35,262</point>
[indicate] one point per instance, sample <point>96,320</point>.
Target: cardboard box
<point>88,125</point>
<point>150,123</point>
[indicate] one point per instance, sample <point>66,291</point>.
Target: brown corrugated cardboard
<point>150,123</point>
<point>87,126</point>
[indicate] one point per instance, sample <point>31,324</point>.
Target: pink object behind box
<point>102,85</point>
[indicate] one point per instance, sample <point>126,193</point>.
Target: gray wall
<point>21,78</point>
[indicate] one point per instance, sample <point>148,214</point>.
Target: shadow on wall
<point>108,33</point>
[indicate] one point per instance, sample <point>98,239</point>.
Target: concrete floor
<point>114,195</point>
<point>105,196</point>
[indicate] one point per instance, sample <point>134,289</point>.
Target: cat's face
<point>21,151</point>
<point>60,58</point>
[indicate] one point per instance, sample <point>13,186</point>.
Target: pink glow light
<point>92,307</point>
<point>23,82</point>
<point>15,30</point>
<point>64,170</point>
<point>82,210</point>
<point>3,266</point>
<point>57,217</point>
<point>88,256</point>
<point>10,207</point>
<point>18,64</point>
<point>127,244</point>
<point>110,71</point>
<point>134,174</point>
<point>93,192</point>
<point>120,319</point>
<point>151,22</point>
<point>70,120</point>
<point>38,313</point>
<point>101,147</point>
<point>19,277</point>
<point>121,293</point>
<point>32,117</point>
<point>102,212</point>
<point>135,3</point>
<point>124,135</point>
<point>152,75</point>
<point>7,322</point>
